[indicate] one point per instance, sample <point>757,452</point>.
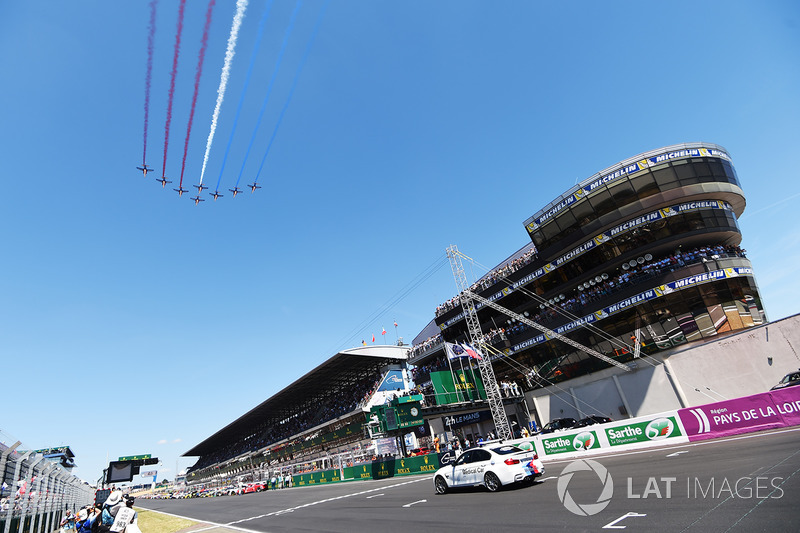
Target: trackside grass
<point>153,522</point>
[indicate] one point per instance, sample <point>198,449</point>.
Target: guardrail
<point>36,493</point>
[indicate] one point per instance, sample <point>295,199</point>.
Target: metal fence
<point>35,492</point>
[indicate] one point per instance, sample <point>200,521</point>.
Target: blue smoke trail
<point>261,23</point>
<point>269,87</point>
<point>294,84</point>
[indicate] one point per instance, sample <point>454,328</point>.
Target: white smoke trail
<point>241,6</point>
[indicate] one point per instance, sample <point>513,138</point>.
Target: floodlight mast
<point>548,332</point>
<point>476,339</point>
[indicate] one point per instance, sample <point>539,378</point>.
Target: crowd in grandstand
<point>678,258</point>
<point>490,279</point>
<point>586,296</point>
<point>425,345</point>
<point>631,276</point>
<point>339,404</point>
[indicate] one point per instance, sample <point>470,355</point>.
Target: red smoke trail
<point>172,82</point>
<point>150,38</point>
<point>200,59</point>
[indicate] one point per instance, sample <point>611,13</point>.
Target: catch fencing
<point>35,492</point>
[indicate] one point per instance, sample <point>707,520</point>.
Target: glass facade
<point>629,189</point>
<point>642,258</point>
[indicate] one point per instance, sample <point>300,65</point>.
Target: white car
<point>493,466</point>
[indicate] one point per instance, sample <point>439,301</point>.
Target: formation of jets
<point>200,187</point>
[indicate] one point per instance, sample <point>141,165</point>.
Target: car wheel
<point>492,482</point>
<point>440,484</point>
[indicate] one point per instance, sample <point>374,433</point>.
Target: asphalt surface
<point>746,483</point>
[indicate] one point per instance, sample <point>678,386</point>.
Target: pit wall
<point>378,469</point>
<point>758,412</point>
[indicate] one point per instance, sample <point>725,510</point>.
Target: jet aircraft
<point>180,190</point>
<point>216,195</point>
<point>253,187</point>
<point>197,199</point>
<point>199,188</point>
<point>163,181</point>
<point>145,169</point>
<point>235,191</point>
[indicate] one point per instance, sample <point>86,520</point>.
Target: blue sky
<point>136,322</point>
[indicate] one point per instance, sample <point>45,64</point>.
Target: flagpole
<point>472,370</point>
<point>474,382</point>
<point>463,372</point>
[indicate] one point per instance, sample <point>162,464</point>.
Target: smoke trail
<point>241,6</point>
<point>151,36</point>
<point>198,73</point>
<point>172,82</point>
<point>269,87</point>
<point>244,90</point>
<point>294,84</point>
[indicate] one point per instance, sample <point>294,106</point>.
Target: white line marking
<point>412,503</point>
<point>374,496</point>
<point>546,478</point>
<point>611,525</point>
<point>678,453</point>
<point>291,509</point>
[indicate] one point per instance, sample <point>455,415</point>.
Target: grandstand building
<point>314,424</point>
<point>638,261</point>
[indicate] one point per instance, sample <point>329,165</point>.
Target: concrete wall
<point>740,364</point>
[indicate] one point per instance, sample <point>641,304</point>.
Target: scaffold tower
<point>476,339</point>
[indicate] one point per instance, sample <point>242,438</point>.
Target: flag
<point>373,337</point>
<point>383,332</point>
<point>395,323</point>
<point>454,351</point>
<point>472,351</point>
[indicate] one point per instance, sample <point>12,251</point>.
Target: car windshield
<point>505,450</point>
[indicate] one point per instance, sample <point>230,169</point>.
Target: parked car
<point>255,487</point>
<point>591,420</point>
<point>789,380</point>
<point>492,467</point>
<point>557,424</point>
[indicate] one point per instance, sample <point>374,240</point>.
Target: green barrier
<point>416,465</point>
<point>358,472</point>
<point>375,470</point>
<point>585,440</point>
<point>659,428</point>
<point>317,478</point>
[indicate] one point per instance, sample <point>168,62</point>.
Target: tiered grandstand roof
<point>322,384</point>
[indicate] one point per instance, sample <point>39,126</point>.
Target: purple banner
<point>787,401</point>
<point>768,410</point>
